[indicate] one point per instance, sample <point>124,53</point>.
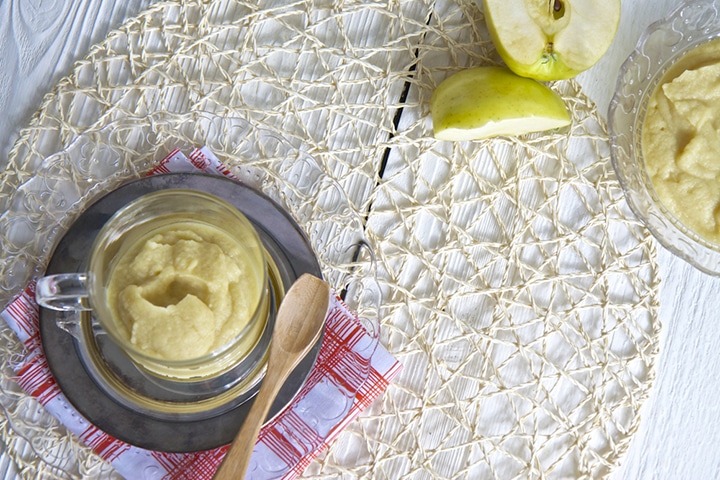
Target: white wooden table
<point>679,435</point>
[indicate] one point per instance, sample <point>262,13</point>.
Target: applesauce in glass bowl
<point>666,49</point>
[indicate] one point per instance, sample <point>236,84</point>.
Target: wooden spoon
<point>298,325</point>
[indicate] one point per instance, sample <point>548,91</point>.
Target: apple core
<point>551,39</point>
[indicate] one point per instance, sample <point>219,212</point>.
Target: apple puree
<point>681,144</point>
<point>183,291</point>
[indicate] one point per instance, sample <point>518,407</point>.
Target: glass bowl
<point>691,24</point>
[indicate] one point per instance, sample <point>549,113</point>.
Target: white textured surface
<point>679,436</point>
<point>39,42</point>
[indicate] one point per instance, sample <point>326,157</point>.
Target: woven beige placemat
<point>520,293</point>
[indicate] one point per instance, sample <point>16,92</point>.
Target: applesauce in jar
<point>183,291</point>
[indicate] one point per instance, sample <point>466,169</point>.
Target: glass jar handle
<point>63,292</point>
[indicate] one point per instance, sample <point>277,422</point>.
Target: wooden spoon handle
<point>237,458</point>
<point>298,326</point>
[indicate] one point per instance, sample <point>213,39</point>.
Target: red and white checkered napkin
<point>351,371</point>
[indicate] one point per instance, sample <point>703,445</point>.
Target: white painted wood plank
<point>39,42</point>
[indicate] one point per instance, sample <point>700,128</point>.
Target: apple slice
<point>551,39</point>
<point>484,102</point>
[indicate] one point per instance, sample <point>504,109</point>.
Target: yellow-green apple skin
<point>491,101</point>
<point>551,39</point>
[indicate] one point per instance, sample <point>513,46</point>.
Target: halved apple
<point>484,102</point>
<point>551,39</point>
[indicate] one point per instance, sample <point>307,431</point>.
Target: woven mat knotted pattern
<point>520,293</point>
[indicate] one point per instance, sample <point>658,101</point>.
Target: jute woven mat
<point>519,292</point>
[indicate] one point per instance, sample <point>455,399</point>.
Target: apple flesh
<point>551,39</point>
<point>485,102</point>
